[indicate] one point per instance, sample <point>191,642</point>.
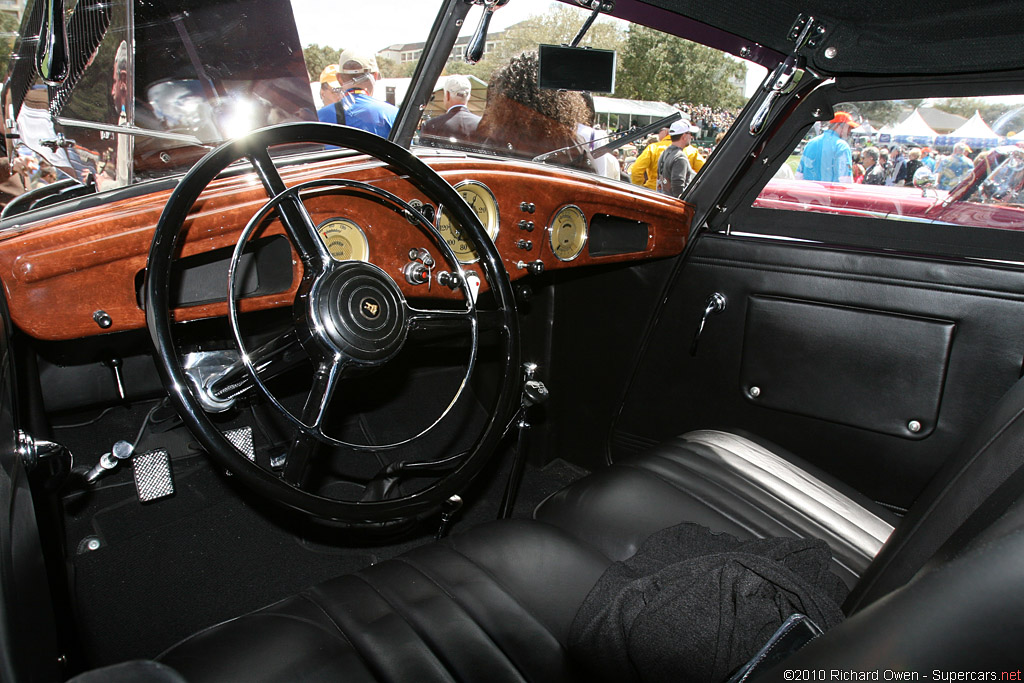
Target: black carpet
<point>167,569</point>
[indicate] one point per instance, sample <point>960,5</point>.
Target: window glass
<point>956,161</point>
<point>496,106</point>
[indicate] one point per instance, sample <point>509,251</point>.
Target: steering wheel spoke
<point>301,452</point>
<point>325,382</point>
<point>296,219</point>
<point>349,317</point>
<point>270,360</point>
<point>440,320</point>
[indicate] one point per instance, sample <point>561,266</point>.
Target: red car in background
<point>989,197</point>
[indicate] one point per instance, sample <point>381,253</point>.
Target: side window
<point>957,161</point>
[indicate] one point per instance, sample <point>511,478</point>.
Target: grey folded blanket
<point>692,605</point>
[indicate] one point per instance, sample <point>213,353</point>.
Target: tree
<point>8,35</point>
<point>558,25</point>
<point>318,58</point>
<point>656,66</point>
<point>990,111</point>
<point>388,67</point>
<point>881,112</point>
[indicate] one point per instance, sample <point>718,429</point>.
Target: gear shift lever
<point>534,393</point>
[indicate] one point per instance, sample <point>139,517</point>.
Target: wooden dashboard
<point>78,275</point>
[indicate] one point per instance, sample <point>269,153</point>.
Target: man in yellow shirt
<point>693,154</point>
<point>645,168</point>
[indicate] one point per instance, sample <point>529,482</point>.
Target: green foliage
<point>881,112</point>
<point>91,100</point>
<point>388,67</point>
<point>655,66</point>
<point>8,35</point>
<point>558,25</point>
<point>318,58</point>
<point>990,111</point>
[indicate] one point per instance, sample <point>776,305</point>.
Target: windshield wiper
<point>133,130</point>
<point>626,138</point>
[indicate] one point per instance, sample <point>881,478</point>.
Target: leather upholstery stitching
<point>443,661</point>
<point>777,519</point>
<point>724,513</point>
<point>455,601</point>
<point>502,586</point>
<point>309,597</point>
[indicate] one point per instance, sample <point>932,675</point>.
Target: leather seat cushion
<point>496,603</point>
<point>729,483</point>
<point>493,604</point>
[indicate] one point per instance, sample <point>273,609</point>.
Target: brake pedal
<point>241,439</point>
<point>153,475</point>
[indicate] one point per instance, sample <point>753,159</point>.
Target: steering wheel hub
<point>360,311</point>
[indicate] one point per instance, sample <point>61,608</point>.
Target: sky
<point>383,22</point>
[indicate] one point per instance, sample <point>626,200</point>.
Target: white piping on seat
<point>830,508</point>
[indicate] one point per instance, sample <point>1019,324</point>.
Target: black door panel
<point>872,366</point>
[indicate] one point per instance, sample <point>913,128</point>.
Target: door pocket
<point>877,370</point>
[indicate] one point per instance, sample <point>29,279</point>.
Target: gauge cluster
<point>482,201</point>
<point>344,239</point>
<point>564,233</point>
<point>568,233</point>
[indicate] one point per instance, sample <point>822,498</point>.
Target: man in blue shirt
<point>828,157</point>
<point>357,74</point>
<point>954,168</point>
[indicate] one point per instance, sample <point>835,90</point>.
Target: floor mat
<point>145,576</point>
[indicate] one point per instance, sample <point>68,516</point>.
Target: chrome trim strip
<point>835,511</point>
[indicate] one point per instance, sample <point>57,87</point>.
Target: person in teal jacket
<point>828,157</point>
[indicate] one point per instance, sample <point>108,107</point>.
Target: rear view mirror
<point>577,68</point>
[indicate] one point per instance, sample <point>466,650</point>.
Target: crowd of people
<point>831,157</point>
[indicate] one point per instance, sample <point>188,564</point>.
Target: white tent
<point>629,112</point>
<point>975,132</point>
<point>913,130</point>
<point>974,128</point>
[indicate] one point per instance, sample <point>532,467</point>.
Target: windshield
<point>151,91</point>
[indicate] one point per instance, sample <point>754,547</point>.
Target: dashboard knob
<point>533,267</point>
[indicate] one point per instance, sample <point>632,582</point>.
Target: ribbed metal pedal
<point>241,439</point>
<point>153,475</point>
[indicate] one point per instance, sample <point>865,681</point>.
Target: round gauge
<point>345,241</point>
<point>568,233</point>
<point>480,200</point>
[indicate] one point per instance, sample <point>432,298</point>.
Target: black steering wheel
<point>348,317</point>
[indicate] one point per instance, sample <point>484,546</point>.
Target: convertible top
<point>876,36</point>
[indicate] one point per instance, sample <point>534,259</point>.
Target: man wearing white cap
<point>357,73</point>
<point>458,122</point>
<point>674,169</point>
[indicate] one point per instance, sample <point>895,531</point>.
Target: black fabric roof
<point>879,36</point>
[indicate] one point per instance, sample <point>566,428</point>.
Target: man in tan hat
<point>828,157</point>
<point>330,89</point>
<point>357,74</point>
<point>458,122</point>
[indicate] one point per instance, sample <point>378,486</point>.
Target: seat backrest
<point>985,463</point>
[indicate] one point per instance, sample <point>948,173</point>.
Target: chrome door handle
<point>715,304</point>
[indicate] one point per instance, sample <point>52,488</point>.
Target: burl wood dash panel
<point>58,272</point>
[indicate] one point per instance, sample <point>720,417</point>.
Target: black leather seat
<point>496,603</point>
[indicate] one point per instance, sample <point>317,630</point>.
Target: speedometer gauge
<point>568,233</point>
<point>345,241</point>
<point>483,203</point>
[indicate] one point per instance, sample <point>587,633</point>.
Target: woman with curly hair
<point>522,119</point>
